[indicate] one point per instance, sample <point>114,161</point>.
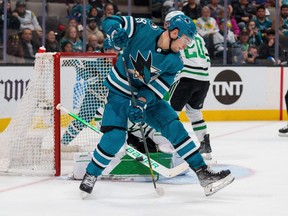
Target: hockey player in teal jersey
<point>189,90</point>
<point>153,59</point>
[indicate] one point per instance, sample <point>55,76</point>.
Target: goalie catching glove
<point>137,113</point>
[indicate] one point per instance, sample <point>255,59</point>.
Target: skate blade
<point>84,195</point>
<point>216,186</point>
<point>283,134</point>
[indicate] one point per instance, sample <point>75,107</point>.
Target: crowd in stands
<point>250,26</point>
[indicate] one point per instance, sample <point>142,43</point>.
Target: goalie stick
<point>135,154</point>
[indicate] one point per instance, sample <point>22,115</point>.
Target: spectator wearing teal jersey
<point>262,22</point>
<point>71,35</point>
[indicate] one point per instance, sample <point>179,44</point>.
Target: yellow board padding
<point>4,123</point>
<point>66,120</point>
<point>209,115</point>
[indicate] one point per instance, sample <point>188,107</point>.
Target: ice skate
<point>283,132</point>
<point>213,181</point>
<point>205,148</point>
<point>87,185</point>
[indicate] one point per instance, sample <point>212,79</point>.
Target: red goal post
<point>30,144</point>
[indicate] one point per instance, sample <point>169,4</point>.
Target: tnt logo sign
<point>227,87</point>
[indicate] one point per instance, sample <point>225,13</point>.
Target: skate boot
<point>87,184</point>
<point>213,181</point>
<point>205,148</point>
<point>283,132</point>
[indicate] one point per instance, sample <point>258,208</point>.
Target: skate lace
<point>213,172</point>
<point>89,180</point>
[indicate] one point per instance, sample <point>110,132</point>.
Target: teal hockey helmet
<point>184,24</point>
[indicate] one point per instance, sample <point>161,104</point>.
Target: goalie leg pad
<point>87,112</point>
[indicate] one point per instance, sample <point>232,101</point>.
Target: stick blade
<point>160,191</point>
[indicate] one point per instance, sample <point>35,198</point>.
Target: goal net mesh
<point>29,144</point>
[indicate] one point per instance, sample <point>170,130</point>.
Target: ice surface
<point>252,150</point>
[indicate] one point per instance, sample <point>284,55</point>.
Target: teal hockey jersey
<point>151,69</point>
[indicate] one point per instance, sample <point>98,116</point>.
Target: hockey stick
<point>133,153</point>
<point>159,190</point>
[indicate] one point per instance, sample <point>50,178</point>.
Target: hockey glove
<point>119,38</point>
<point>108,44</point>
<point>137,113</point>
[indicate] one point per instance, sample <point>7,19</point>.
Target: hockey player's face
<point>180,43</point>
<point>188,41</point>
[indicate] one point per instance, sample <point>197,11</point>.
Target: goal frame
<point>57,97</point>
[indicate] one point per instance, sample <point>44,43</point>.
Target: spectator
<point>51,43</point>
<point>89,48</point>
<point>192,9</point>
<point>271,7</point>
<point>283,21</point>
<point>218,39</point>
<point>241,48</point>
<point>262,22</point>
<point>174,4</point>
<point>15,53</point>
<point>215,8</point>
<point>30,47</point>
<point>71,35</point>
<point>284,2</point>
<point>108,11</point>
<point>92,29</point>
<point>72,22</point>
<point>94,13</point>
<point>27,19</point>
<point>252,55</point>
<point>96,42</point>
<point>255,36</point>
<point>243,11</point>
<point>66,46</point>
<point>221,2</point>
<point>206,24</point>
<point>231,22</point>
<point>77,10</point>
<point>100,4</point>
<point>258,3</point>
<point>267,49</point>
<point>13,23</point>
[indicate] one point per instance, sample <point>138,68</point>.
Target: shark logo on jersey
<point>143,68</point>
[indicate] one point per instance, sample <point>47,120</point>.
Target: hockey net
<point>30,145</point>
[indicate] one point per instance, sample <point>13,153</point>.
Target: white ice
<point>253,147</point>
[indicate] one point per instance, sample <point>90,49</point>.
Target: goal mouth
<point>30,145</point>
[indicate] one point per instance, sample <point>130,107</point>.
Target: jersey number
<point>199,52</point>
